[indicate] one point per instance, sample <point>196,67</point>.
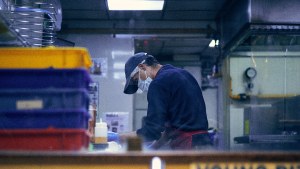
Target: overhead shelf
<point>29,23</point>
<point>8,37</point>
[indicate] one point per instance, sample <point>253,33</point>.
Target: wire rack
<point>33,20</point>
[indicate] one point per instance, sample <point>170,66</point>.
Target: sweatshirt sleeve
<point>154,122</point>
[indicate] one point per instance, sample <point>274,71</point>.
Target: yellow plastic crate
<point>39,58</point>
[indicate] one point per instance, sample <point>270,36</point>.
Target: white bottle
<point>101,133</point>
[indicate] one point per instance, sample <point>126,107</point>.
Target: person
<point>176,115</point>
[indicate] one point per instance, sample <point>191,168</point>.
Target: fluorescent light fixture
<point>135,5</point>
<point>119,75</point>
<point>217,42</point>
<point>119,65</point>
<point>213,43</point>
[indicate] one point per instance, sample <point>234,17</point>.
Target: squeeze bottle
<point>101,132</point>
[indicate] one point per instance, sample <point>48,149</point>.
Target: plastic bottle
<point>101,133</point>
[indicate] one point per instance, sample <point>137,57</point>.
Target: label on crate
<point>29,104</point>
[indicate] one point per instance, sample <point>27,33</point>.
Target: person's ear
<point>142,66</point>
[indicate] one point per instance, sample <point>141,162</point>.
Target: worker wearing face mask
<point>176,116</point>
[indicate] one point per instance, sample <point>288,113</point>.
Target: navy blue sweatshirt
<point>174,100</point>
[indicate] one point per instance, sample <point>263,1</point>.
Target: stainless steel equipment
<point>277,125</point>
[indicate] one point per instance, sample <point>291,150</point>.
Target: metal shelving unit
<point>31,23</point>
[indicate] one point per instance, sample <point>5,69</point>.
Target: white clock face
<point>250,72</point>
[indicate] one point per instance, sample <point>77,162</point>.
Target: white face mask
<point>144,84</point>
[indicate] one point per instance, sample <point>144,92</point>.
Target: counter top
<point>138,160</point>
<point>172,156</point>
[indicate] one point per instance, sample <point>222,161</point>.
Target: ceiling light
<point>135,4</point>
<point>213,43</point>
<point>217,42</point>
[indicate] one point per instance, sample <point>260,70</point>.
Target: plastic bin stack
<point>44,98</point>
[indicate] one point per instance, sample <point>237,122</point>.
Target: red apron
<point>177,139</point>
<point>183,139</point>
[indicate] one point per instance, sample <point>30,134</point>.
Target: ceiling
<point>180,32</point>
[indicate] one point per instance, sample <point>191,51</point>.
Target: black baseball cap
<point>131,85</point>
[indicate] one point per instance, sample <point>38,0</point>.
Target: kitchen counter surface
<point>141,160</point>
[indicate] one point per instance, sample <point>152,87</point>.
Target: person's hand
<point>162,141</point>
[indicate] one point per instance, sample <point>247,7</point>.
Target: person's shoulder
<point>165,76</point>
<point>167,69</point>
<point>168,66</point>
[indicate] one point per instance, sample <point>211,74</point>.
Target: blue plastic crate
<point>42,119</point>
<point>44,78</point>
<point>43,99</point>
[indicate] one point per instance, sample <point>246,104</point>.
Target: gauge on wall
<point>250,72</point>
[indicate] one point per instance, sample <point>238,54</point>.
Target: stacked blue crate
<point>43,99</point>
<point>58,94</point>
